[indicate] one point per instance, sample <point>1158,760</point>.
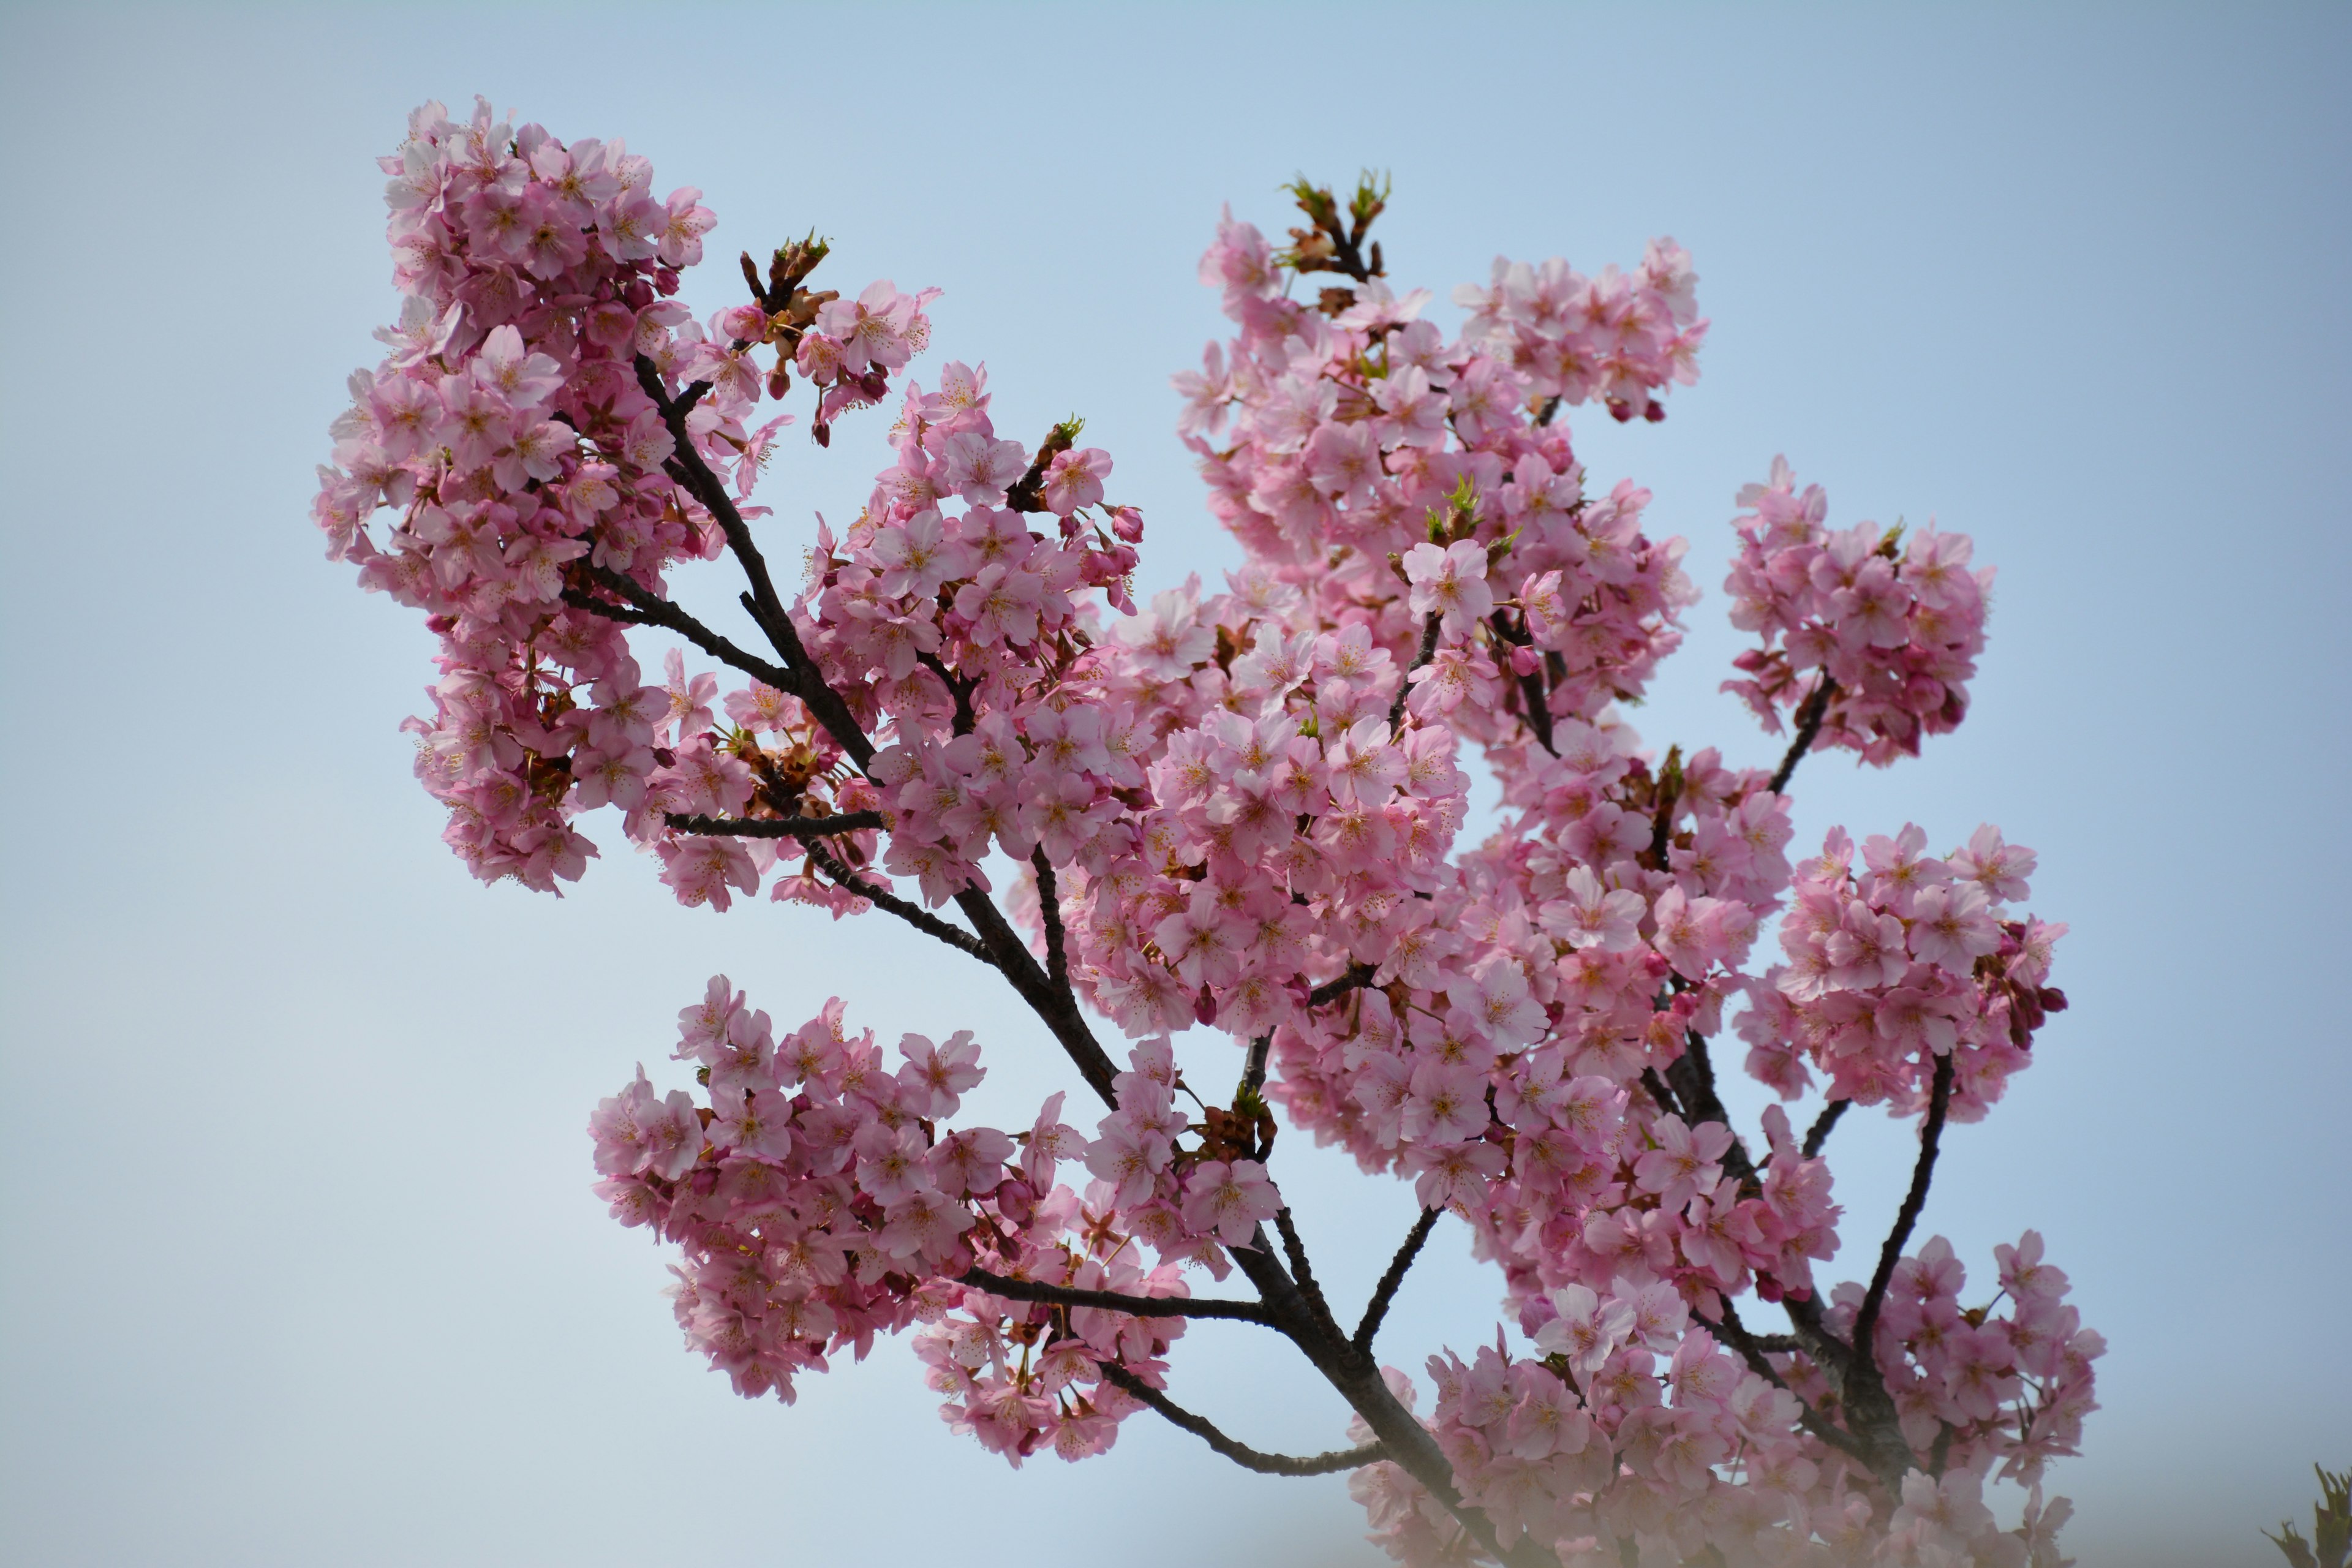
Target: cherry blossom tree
<point>1234,820</point>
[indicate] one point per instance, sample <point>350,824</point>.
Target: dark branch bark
<point>1254,1066</point>
<point>1241,1454</point>
<point>1377,1308</point>
<point>1661,1093</point>
<point>1303,1271</point>
<point>1532,693</point>
<point>1113,1301</point>
<point>1819,1133</point>
<point>1405,677</point>
<point>1054,1005</point>
<point>922,919</point>
<point>1751,1349</point>
<point>1809,725</point>
<point>1357,1378</point>
<point>958,690</point>
<point>774,826</point>
<point>1931,1132</point>
<point>1358,974</point>
<point>1049,909</point>
<point>640,608</point>
<point>805,679</point>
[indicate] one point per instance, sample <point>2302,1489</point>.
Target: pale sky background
<point>297,1261</point>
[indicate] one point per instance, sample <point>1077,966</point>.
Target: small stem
<point>1241,1454</point>
<point>1819,1133</point>
<point>1404,679</point>
<point>773,826</point>
<point>922,919</point>
<point>1113,1301</point>
<point>1809,725</point>
<point>1385,1292</point>
<point>1931,1132</point>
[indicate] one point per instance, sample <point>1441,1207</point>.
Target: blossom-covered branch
<point>1207,799</point>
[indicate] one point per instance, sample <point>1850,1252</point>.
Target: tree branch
<point>1358,974</point>
<point>959,690</point>
<point>1819,1133</point>
<point>774,826</point>
<point>922,919</point>
<point>1114,1300</point>
<point>1303,1271</point>
<point>1809,725</point>
<point>1055,1006</point>
<point>1931,1132</point>
<point>1751,1349</point>
<point>1531,685</point>
<point>1254,1065</point>
<point>641,608</point>
<point>1049,908</point>
<point>1249,1459</point>
<point>1377,1308</point>
<point>1404,679</point>
<point>806,681</point>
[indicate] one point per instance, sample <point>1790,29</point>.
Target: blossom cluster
<point>1638,1425</point>
<point>820,1197</point>
<point>1897,627</point>
<point>1908,960</point>
<point>1239,812</point>
<point>523,429</point>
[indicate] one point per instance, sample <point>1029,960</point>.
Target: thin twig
<point>922,919</point>
<point>773,826</point>
<point>641,608</point>
<point>1049,908</point>
<point>1303,1271</point>
<point>1385,1292</point>
<point>1241,1454</point>
<point>1809,725</point>
<point>1404,679</point>
<point>1752,1349</point>
<point>805,681</point>
<point>1819,1133</point>
<point>1358,974</point>
<point>1939,1101</point>
<point>1114,1300</point>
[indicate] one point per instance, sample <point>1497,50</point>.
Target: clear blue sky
<point>299,1262</point>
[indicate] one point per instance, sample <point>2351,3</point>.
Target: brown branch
<point>1819,1133</point>
<point>1028,492</point>
<point>1410,1445</point>
<point>1532,694</point>
<point>1055,1006</point>
<point>1303,1271</point>
<point>806,681</point>
<point>922,919</point>
<point>1931,1132</point>
<point>1810,714</point>
<point>1113,1301</point>
<point>1254,1066</point>
<point>642,608</point>
<point>1358,974</point>
<point>1752,1349</point>
<point>773,826</point>
<point>1385,1292</point>
<point>1241,1454</point>
<point>958,690</point>
<point>1404,677</point>
<point>1049,908</point>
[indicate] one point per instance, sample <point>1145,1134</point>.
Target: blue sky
<point>301,1263</point>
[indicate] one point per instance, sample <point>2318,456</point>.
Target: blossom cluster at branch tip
<point>820,1196</point>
